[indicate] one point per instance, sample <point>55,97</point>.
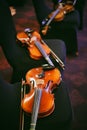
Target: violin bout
<point>46,107</point>
<point>62,12</point>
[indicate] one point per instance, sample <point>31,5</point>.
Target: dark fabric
<point>41,9</point>
<point>68,35</point>
<point>80,4</point>
<point>9,105</point>
<point>16,2</point>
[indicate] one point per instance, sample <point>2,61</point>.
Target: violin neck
<point>53,16</point>
<point>44,54</point>
<point>35,109</point>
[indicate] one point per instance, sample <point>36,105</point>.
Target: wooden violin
<point>37,47</point>
<point>39,102</point>
<point>31,43</point>
<point>57,15</point>
<point>41,79</point>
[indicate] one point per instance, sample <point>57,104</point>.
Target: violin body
<point>35,53</point>
<point>53,75</point>
<point>46,103</point>
<point>46,83</point>
<point>30,42</point>
<point>64,10</point>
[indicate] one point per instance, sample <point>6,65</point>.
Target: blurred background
<point>75,74</point>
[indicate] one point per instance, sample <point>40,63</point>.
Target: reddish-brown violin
<point>57,15</point>
<point>39,102</point>
<point>46,81</point>
<point>33,42</point>
<point>37,47</point>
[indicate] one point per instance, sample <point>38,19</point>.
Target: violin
<point>57,15</point>
<point>64,10</point>
<point>32,42</point>
<point>39,102</point>
<point>37,47</point>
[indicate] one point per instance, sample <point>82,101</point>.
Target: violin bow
<point>56,57</point>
